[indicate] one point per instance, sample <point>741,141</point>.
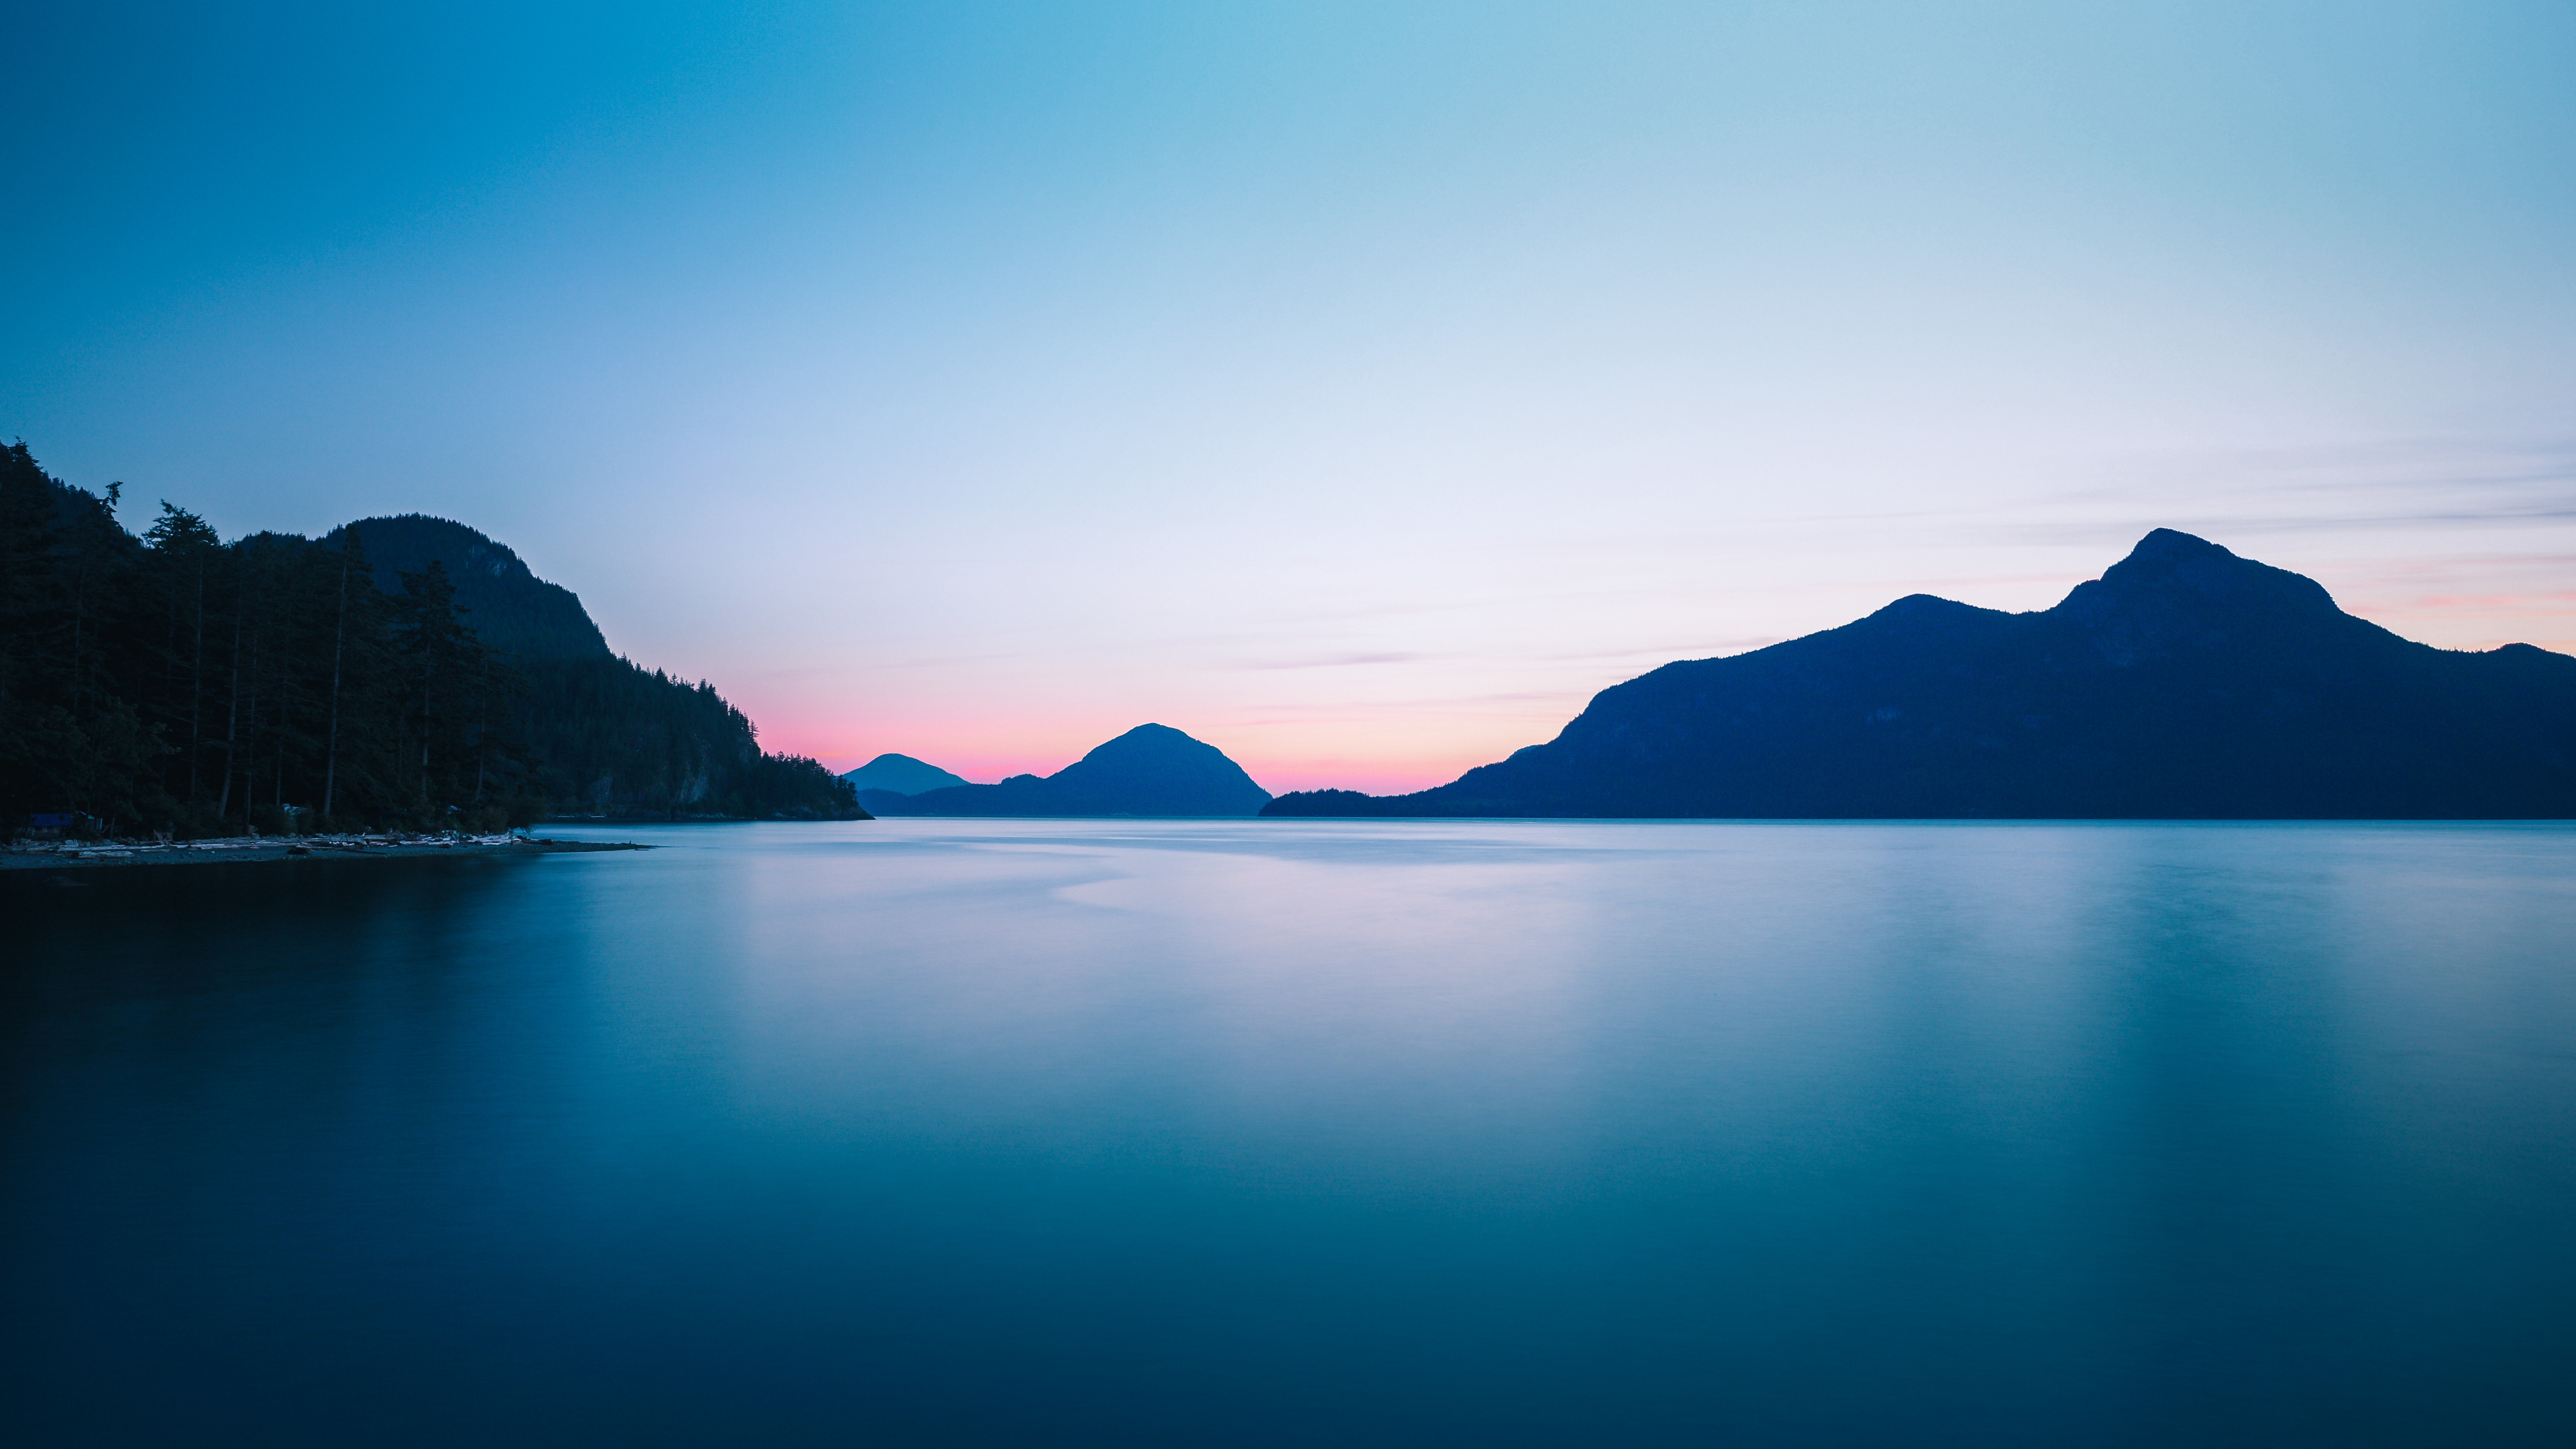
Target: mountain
<point>1150,770</point>
<point>2185,683</point>
<point>510,607</point>
<point>900,775</point>
<point>607,735</point>
<point>180,681</point>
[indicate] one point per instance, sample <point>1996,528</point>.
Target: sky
<point>1357,387</point>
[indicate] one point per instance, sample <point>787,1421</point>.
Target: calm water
<point>1305,1132</point>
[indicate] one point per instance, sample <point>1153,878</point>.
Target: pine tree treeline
<point>178,682</point>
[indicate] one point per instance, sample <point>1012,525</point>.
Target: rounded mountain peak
<point>1158,762</point>
<point>2178,591</point>
<point>2170,558</point>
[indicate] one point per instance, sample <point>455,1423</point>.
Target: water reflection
<point>932,1131</point>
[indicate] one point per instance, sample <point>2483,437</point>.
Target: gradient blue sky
<point>1357,387</point>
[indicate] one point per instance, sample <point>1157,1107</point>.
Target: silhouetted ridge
<point>180,681</point>
<point>2186,682</point>
<point>1150,770</point>
<point>510,607</point>
<point>899,775</point>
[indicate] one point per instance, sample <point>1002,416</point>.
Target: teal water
<point>1305,1132</point>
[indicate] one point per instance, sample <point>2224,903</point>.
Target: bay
<point>1283,1132</point>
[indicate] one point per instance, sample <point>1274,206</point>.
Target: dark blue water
<point>1305,1132</point>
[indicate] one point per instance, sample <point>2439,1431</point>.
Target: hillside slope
<point>1152,770</point>
<point>900,775</point>
<point>181,681</point>
<point>2185,683</point>
<point>509,606</point>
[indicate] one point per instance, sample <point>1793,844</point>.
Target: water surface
<point>1298,1132</point>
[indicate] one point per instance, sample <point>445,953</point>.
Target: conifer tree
<point>176,681</point>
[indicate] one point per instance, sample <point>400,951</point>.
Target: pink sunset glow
<point>978,391</point>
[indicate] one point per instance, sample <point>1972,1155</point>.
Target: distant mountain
<point>900,775</point>
<point>2184,683</point>
<point>1150,770</point>
<point>509,606</point>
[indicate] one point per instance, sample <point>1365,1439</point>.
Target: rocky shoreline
<point>75,855</point>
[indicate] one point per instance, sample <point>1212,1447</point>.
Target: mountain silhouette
<point>315,687</point>
<point>608,735</point>
<point>900,775</point>
<point>2185,683</point>
<point>1150,770</point>
<point>508,605</point>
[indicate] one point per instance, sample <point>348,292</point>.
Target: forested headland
<point>402,672</point>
